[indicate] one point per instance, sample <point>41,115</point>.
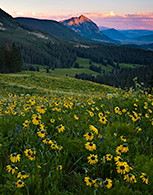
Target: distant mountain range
<point>136,33</point>
<point>29,32</point>
<point>86,28</point>
<point>147,38</point>
<point>114,34</point>
<point>138,37</point>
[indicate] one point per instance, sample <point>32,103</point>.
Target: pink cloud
<point>109,19</point>
<point>123,21</point>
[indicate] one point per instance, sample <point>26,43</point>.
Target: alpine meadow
<point>76,106</point>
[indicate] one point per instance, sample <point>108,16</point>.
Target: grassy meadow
<point>84,68</point>
<point>60,135</point>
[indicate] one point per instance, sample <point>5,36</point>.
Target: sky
<point>119,14</point>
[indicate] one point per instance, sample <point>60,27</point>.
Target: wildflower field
<point>60,135</point>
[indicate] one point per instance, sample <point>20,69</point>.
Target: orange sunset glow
<point>109,19</point>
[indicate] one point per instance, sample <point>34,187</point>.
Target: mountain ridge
<point>87,28</point>
<point>53,27</point>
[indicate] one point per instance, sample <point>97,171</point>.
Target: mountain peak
<point>86,27</point>
<point>83,18</point>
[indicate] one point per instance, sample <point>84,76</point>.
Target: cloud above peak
<point>109,19</point>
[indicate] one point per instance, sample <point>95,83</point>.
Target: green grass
<point>83,62</point>
<point>47,119</point>
<point>71,71</point>
<point>124,65</point>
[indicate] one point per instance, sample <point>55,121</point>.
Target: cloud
<point>123,21</point>
<point>108,19</point>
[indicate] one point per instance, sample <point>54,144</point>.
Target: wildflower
<point>123,138</point>
<point>91,113</point>
<point>90,146</point>
<point>125,147</point>
<point>124,110</point>
<point>144,178</point>
<point>59,167</point>
<point>52,120</point>
<point>107,183</point>
<point>41,109</point>
<point>36,119</point>
<point>88,136</point>
<point>94,129</point>
<point>41,133</point>
<point>30,153</point>
<point>39,167</point>
<point>19,184</point>
<point>26,124</point>
<point>130,178</point>
<point>150,110</point>
<point>32,101</point>
<point>118,160</point>
<point>122,168</point>
<point>60,148</point>
<point>32,157</point>
<point>103,120</point>
<point>76,117</point>
<point>22,175</point>
<point>119,149</point>
<point>10,95</point>
<point>100,136</point>
<point>138,129</point>
<point>94,182</point>
<point>11,168</point>
<point>100,114</point>
<point>60,128</point>
<point>109,157</point>
<point>88,181</point>
<point>15,157</point>
<point>54,145</point>
<point>47,141</point>
<point>92,159</point>
<point>147,115</point>
<point>117,109</point>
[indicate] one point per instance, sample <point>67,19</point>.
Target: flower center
<point>146,176</point>
<point>130,175</point>
<point>92,158</point>
<point>23,173</point>
<point>14,154</point>
<point>106,182</point>
<point>122,167</point>
<point>12,166</point>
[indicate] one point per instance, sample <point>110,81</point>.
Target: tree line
<point>10,59</point>
<point>123,78</point>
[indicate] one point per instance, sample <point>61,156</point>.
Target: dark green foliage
<point>47,70</point>
<point>121,78</point>
<point>76,65</point>
<point>10,60</point>
<point>95,68</point>
<point>101,53</point>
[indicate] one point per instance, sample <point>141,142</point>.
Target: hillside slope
<point>54,28</point>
